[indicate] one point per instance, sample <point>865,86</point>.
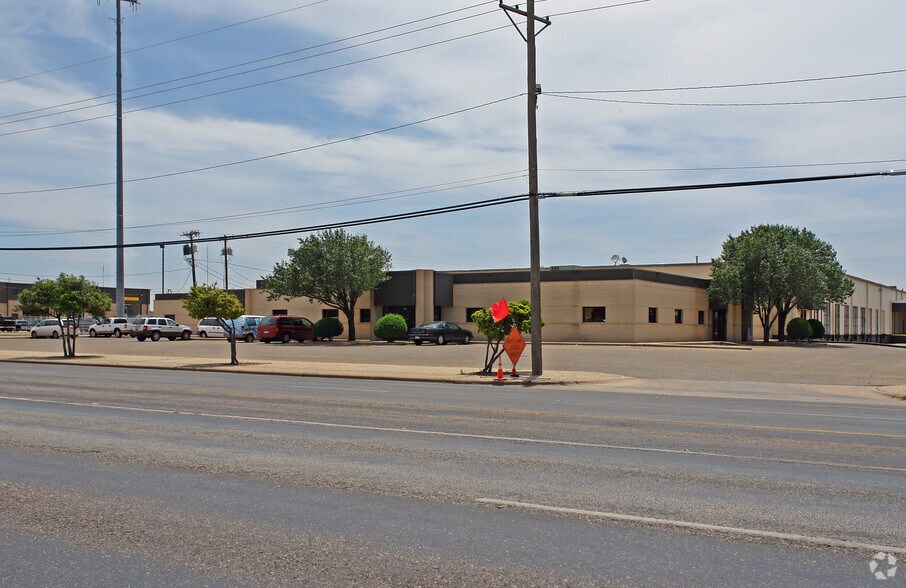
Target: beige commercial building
<point>640,303</point>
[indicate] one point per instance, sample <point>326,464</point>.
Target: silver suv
<point>154,327</point>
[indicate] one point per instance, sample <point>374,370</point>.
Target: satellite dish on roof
<point>625,261</point>
<point>615,259</point>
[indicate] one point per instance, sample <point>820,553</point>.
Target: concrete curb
<point>406,373</point>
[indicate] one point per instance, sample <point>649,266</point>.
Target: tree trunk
<point>233,359</point>
<point>350,320</point>
<point>781,324</point>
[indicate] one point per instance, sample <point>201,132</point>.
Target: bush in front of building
<point>798,328</point>
<point>390,328</point>
<point>328,328</point>
<point>817,328</point>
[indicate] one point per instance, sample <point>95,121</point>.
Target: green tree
<point>332,267</point>
<point>520,317</point>
<point>776,268</point>
<point>67,298</point>
<point>209,300</point>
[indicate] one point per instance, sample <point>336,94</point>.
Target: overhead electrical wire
<point>254,70</point>
<point>727,104</point>
<point>479,204</point>
<point>198,34</point>
<point>379,197</point>
<point>272,155</point>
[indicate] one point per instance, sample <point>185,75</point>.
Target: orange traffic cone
<point>499,377</point>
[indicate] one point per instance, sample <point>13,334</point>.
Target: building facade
<point>618,304</point>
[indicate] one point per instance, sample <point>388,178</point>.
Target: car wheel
<point>155,336</point>
<point>249,338</point>
<point>266,340</point>
<point>441,340</point>
<point>203,334</point>
<point>466,340</point>
<point>186,335</point>
<point>418,342</point>
<point>285,338</point>
<point>117,333</point>
<point>34,335</point>
<point>92,333</point>
<point>56,334</point>
<point>140,337</point>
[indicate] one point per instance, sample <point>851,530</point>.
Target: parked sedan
<point>50,328</point>
<point>440,332</point>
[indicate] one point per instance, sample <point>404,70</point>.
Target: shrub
<point>798,328</point>
<point>328,328</point>
<point>390,327</point>
<point>817,328</point>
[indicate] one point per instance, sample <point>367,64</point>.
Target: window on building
<point>678,316</point>
<point>330,313</point>
<point>594,314</point>
<point>469,312</point>
<point>652,315</point>
<point>701,317</point>
<point>364,315</point>
<point>170,316</point>
<point>277,311</point>
<point>438,315</point>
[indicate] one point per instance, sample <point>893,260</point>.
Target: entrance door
<point>718,325</point>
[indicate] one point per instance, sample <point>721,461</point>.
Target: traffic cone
<point>499,377</point>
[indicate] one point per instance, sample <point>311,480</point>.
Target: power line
<point>198,34</point>
<point>272,155</point>
<point>726,168</point>
<point>379,197</point>
<point>249,86</point>
<point>479,204</point>
<point>727,104</point>
<point>740,85</point>
<point>253,70</point>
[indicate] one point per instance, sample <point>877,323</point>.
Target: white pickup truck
<point>116,327</point>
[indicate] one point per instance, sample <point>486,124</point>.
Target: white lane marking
<point>425,432</point>
<point>823,541</point>
<point>810,414</point>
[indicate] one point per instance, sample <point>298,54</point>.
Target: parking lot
<point>826,364</point>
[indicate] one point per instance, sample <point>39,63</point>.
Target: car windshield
<point>434,325</point>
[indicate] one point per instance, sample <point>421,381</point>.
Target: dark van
<point>283,328</point>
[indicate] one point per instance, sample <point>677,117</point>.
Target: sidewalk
<point>413,373</point>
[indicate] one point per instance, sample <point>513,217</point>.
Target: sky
<point>243,117</point>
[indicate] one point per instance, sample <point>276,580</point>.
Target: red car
<point>285,328</point>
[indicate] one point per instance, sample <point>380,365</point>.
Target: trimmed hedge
<point>390,328</point>
<point>817,328</point>
<point>328,328</point>
<point>798,328</point>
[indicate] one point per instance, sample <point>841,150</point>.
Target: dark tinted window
<point>268,320</point>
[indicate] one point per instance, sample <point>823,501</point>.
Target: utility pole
<point>162,269</point>
<point>227,252</point>
<point>190,251</point>
<point>120,235</point>
<point>533,89</point>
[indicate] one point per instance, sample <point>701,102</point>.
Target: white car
<point>210,327</point>
<point>51,328</point>
<point>115,327</point>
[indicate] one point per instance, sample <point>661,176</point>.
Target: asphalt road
<point>147,477</point>
<point>827,364</point>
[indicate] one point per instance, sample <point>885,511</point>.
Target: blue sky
<point>319,72</point>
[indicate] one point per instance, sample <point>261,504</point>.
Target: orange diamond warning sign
<point>514,345</point>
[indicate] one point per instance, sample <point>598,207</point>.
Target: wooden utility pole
<point>533,89</point>
<point>190,250</point>
<point>227,252</point>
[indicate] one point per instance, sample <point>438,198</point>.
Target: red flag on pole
<point>500,311</point>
